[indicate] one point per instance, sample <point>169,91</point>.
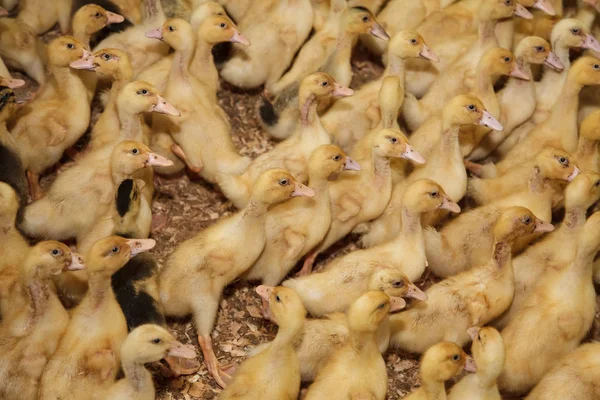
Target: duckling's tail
<point>235,188</point>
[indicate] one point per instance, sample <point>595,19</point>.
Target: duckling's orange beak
<point>155,34</point>
<point>181,350</point>
<point>554,62</point>
<point>522,12</point>
<point>518,72</point>
<point>397,304</point>
<point>302,190</point>
<point>239,38</point>
<point>3,12</point>
<point>449,205</point>
<point>545,6</point>
<point>378,31</point>
<point>541,226</point>
<point>341,91</point>
<point>428,54</point>
<point>414,292</point>
<point>411,154</point>
<point>591,43</point>
<point>76,263</point>
<point>138,246</point>
<point>488,120</point>
<point>113,18</point>
<point>162,106</point>
<point>473,332</point>
<point>351,165</point>
<point>470,365</point>
<point>12,83</point>
<point>572,175</point>
<point>156,160</point>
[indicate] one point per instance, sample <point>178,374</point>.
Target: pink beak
<point>3,12</point>
<point>155,34</point>
<point>491,122</point>
<point>473,332</point>
<point>264,292</point>
<point>180,350</point>
<point>12,83</point>
<point>591,43</point>
<point>138,246</point>
<point>541,226</point>
<point>545,6</point>
<point>164,107</point>
<point>302,190</point>
<point>573,174</point>
<point>449,205</point>
<point>470,365</point>
<point>428,54</point>
<point>554,62</point>
<point>351,165</point>
<point>341,91</point>
<point>415,293</point>
<point>156,160</point>
<point>397,304</point>
<point>411,154</point>
<point>378,31</point>
<point>113,18</point>
<point>518,72</point>
<point>85,62</point>
<point>76,263</point>
<point>522,12</point>
<point>239,38</point>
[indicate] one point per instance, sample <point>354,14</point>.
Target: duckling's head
<point>150,343</point>
<point>367,312</point>
<point>571,32</point>
<point>590,126</point>
<point>535,50</point>
<point>8,103</point>
<point>139,96</point>
<point>516,222</point>
<point>277,185</point>
<point>63,50</point>
<point>285,306</point>
<point>491,10</point>
<point>328,160</point>
<point>487,350</point>
<point>556,164</point>
<point>9,201</point>
<point>392,143</point>
<point>91,18</point>
<point>11,83</point>
<point>426,195</point>
<point>50,258</point>
<point>396,285</point>
<point>111,63</point>
<point>501,62</point>
<point>585,71</point>
<point>583,191</point>
<point>467,109</point>
<point>409,44</point>
<point>359,20</point>
<point>130,156</point>
<point>321,85</point>
<point>444,361</point>
<point>176,32</point>
<point>218,29</point>
<point>204,11</point>
<point>109,254</point>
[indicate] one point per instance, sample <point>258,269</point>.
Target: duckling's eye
<point>506,59</point>
<point>337,158</point>
<point>527,220</point>
<point>508,2</point>
<point>393,140</point>
<point>380,307</point>
<point>434,194</point>
<point>284,182</point>
<point>97,15</point>
<point>70,46</point>
<point>456,357</point>
<point>413,41</point>
<point>575,31</point>
<point>56,252</point>
<point>106,56</point>
<point>539,48</point>
<point>564,161</point>
<point>597,184</point>
<point>397,284</point>
<point>135,151</point>
<point>157,341</point>
<point>278,299</point>
<point>142,91</point>
<point>472,107</point>
<point>115,249</point>
<point>365,18</point>
<point>222,24</point>
<point>596,66</point>
<point>324,83</point>
<point>171,29</point>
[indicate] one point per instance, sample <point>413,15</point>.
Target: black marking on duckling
<point>267,113</point>
<point>123,199</point>
<point>221,52</point>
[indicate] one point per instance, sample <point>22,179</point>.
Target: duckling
<point>14,244</point>
<point>297,226</point>
<point>349,119</point>
<point>85,191</point>
<point>145,344</point>
<point>559,312</point>
<point>488,354</point>
<point>517,100</point>
<point>49,125</point>
<point>557,249</point>
<point>202,135</point>
<point>294,152</point>
<point>439,364</point>
<point>21,49</point>
<point>445,166</point>
<point>587,155</point>
<point>576,376</point>
<point>467,240</point>
<point>363,196</point>
<point>90,19</point>
<point>142,51</point>
<point>555,164</point>
<point>279,118</point>
<point>8,5</point>
<point>11,168</point>
<point>357,370</point>
<point>274,373</point>
<point>406,253</point>
<point>217,261</point>
<point>560,129</point>
<point>41,16</point>
<point>88,356</point>
<point>34,323</point>
<point>494,63</point>
<point>130,9</point>
<point>471,298</point>
<point>277,32</point>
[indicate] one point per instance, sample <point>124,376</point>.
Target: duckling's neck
<point>254,209</point>
<point>563,117</point>
<point>486,29</point>
<point>537,182</point>
<point>411,222</point>
<point>587,148</point>
<point>81,33</point>
<point>434,390</point>
<point>574,217</point>
<point>502,252</point>
<point>381,166</point>
<point>287,333</point>
<point>308,114</point>
<point>364,342</point>
<point>122,77</point>
<point>449,140</point>
<point>180,69</point>
<point>152,10</point>
<point>395,67</point>
<point>484,82</point>
<point>340,58</point>
<point>99,289</point>
<point>203,63</point>
<point>319,184</point>
<point>524,65</point>
<point>486,378</point>
<point>137,375</point>
<point>65,78</point>
<point>130,125</point>
<point>38,293</point>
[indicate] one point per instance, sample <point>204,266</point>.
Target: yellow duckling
<point>293,153</point>
<point>488,354</point>
<point>88,356</point>
<point>21,49</point>
<point>440,363</point>
<point>471,298</point>
<point>274,373</point>
<point>357,370</point>
<point>558,314</point>
<point>35,320</point>
<point>41,16</point>
<point>199,269</point>
<point>14,244</point>
<point>145,344</point>
<point>11,167</point>
<point>587,154</point>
